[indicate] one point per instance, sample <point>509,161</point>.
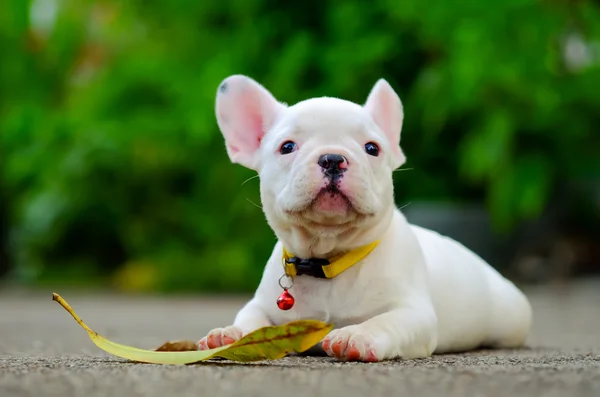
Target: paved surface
<point>43,352</point>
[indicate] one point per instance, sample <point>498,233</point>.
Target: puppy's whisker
<point>404,206</point>
<point>403,169</point>
<point>253,203</point>
<point>249,179</point>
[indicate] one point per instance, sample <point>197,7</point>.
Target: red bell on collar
<point>286,300</point>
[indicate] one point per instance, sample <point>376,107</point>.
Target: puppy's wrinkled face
<point>324,162</point>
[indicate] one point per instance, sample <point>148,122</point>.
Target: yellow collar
<point>325,268</point>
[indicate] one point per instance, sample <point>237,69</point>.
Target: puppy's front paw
<point>220,337</point>
<point>350,344</point>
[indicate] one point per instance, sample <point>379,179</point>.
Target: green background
<point>113,171</point>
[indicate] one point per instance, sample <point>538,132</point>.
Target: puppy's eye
<point>372,149</point>
<point>287,147</point>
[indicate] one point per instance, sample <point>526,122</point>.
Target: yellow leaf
<point>268,343</point>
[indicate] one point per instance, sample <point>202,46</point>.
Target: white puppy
<point>325,168</point>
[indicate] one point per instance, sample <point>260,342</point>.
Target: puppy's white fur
<point>416,293</point>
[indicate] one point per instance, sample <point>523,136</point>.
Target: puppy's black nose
<point>333,164</point>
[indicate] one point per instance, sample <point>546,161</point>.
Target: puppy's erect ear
<point>385,107</point>
<point>245,112</point>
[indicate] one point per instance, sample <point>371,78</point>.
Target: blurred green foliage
<point>113,170</point>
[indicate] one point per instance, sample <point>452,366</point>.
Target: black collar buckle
<point>310,267</point>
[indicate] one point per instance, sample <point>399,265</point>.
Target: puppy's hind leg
<point>511,317</point>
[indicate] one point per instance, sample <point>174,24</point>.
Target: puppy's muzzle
<point>333,165</point>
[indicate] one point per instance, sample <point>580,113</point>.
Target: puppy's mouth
<point>331,199</point>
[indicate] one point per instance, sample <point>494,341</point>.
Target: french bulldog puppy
<point>325,168</point>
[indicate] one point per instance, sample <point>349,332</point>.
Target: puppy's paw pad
<point>202,344</point>
<point>326,344</point>
<point>352,353</point>
<point>351,345</point>
<point>220,337</point>
<point>372,356</point>
<point>227,340</point>
<point>338,347</point>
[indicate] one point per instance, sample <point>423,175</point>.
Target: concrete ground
<point>43,352</point>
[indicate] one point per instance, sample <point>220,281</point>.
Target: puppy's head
<point>325,164</point>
